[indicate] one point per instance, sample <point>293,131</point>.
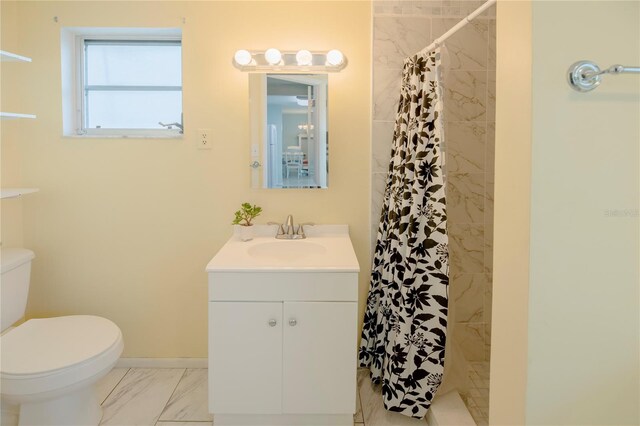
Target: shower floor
<point>371,412</point>
<point>477,399</point>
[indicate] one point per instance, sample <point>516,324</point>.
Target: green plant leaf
<point>246,214</point>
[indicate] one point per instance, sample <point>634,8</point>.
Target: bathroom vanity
<point>283,329</point>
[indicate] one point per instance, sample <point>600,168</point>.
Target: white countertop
<point>327,248</point>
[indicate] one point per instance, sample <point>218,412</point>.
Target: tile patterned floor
<point>299,182</point>
<point>178,397</point>
<point>477,400</point>
<point>154,396</point>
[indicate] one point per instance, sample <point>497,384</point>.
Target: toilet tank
<point>15,265</point>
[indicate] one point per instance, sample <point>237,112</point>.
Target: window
<point>128,82</point>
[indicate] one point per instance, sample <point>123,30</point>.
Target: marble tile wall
<point>402,28</point>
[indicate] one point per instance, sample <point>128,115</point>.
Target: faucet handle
<point>280,228</point>
<point>300,230</point>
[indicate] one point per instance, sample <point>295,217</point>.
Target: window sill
<point>179,137</point>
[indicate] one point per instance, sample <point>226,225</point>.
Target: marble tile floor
<point>178,397</point>
<point>477,400</point>
<point>155,397</point>
<point>299,182</point>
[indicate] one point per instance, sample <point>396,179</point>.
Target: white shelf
<point>12,57</point>
<point>16,192</point>
<point>14,116</point>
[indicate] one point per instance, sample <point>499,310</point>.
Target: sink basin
<point>327,248</point>
<point>283,251</point>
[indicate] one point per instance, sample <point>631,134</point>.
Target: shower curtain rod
<point>437,42</point>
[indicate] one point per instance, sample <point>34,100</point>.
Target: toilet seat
<point>46,355</point>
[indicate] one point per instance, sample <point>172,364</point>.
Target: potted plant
<point>243,218</point>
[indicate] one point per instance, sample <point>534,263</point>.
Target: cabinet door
<point>319,357</point>
<point>245,357</point>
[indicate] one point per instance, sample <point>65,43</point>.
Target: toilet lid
<point>50,344</point>
<point>13,257</point>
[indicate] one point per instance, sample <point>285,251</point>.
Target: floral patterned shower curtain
<point>405,322</point>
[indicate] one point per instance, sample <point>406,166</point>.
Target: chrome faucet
<point>288,225</point>
<point>287,231</point>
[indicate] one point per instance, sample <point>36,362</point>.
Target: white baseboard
<point>162,363</point>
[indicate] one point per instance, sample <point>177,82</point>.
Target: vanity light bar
<point>301,60</point>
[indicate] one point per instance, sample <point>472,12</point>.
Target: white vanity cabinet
<point>282,345</point>
<point>319,357</point>
<point>292,356</point>
<point>283,357</point>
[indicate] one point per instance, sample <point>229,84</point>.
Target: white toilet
<point>48,366</point>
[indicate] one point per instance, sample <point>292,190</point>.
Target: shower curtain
<point>405,322</point>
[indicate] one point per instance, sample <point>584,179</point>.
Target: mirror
<point>289,141</point>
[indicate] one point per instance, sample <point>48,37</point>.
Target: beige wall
<point>584,292</point>
<point>565,324</point>
<point>511,216</point>
<point>124,228</point>
<point>10,101</point>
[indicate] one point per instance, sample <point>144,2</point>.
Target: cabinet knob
<point>293,322</point>
<point>273,323</point>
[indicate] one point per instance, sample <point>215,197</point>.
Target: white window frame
<point>73,73</point>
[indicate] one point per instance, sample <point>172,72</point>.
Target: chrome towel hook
<point>585,76</point>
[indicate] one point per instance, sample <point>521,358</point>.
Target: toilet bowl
<point>49,366</point>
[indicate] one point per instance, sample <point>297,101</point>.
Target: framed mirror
<point>289,140</point>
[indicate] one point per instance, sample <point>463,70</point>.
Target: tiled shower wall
<point>400,29</point>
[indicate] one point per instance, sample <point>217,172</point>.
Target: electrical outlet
<point>204,139</point>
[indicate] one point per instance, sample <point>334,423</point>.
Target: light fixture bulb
<point>242,57</point>
<point>304,57</point>
<point>335,57</point>
<point>273,56</point>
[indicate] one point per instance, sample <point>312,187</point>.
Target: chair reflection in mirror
<point>293,161</point>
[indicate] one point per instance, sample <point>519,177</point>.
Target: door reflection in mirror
<point>289,130</point>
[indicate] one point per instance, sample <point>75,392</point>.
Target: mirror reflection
<point>289,130</point>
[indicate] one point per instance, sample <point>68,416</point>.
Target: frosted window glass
<point>132,84</point>
<point>133,64</point>
<point>132,110</point>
